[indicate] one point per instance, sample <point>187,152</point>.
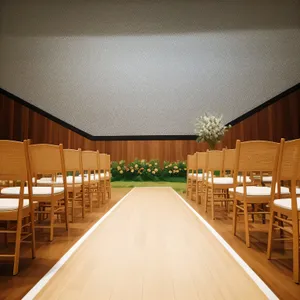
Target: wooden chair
<point>15,165</point>
<point>91,184</point>
<point>254,156</point>
<point>47,160</point>
<point>191,175</point>
<point>201,167</point>
<point>104,168</point>
<point>73,166</point>
<point>285,212</point>
<point>217,186</point>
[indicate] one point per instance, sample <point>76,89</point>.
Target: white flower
<point>210,128</point>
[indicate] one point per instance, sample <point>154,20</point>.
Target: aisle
<point>151,247</point>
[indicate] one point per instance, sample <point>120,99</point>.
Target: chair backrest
<point>229,160</point>
<point>201,159</point>
<point>72,160</point>
<point>191,163</point>
<point>90,160</point>
<point>104,165</point>
<point>215,160</point>
<point>289,167</point>
<point>90,163</point>
<point>257,156</point>
<point>46,159</point>
<point>289,161</point>
<point>108,163</point>
<point>104,162</point>
<point>15,166</point>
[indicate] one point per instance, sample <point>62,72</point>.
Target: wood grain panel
<point>280,119</point>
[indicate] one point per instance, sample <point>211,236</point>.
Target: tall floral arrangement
<point>210,129</point>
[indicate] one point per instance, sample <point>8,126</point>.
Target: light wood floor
<point>48,253</point>
<point>151,247</point>
<point>277,273</point>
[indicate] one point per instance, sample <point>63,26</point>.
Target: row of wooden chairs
<point>255,178</point>
<point>45,180</point>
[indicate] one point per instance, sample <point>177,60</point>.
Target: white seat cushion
<point>286,203</point>
<point>192,174</point>
<point>77,179</point>
<point>12,204</point>
<point>92,178</point>
<point>221,180</point>
<point>267,179</point>
<point>199,175</point>
<point>37,190</point>
<point>59,180</point>
<point>96,176</point>
<point>259,190</point>
<point>240,179</point>
<point>229,180</point>
<point>107,174</point>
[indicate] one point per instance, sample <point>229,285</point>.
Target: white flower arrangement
<point>210,129</point>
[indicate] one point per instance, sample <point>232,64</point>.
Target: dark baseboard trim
<point>264,105</point>
<point>142,137</point>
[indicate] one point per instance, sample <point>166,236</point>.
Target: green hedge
<point>142,170</point>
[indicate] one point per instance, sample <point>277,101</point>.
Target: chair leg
<point>91,200</point>
<point>66,202</point>
<point>51,222</point>
<point>32,233</point>
<point>104,193</point>
<point>196,192</point>
<point>191,190</point>
<point>247,235</point>
<point>270,235</point>
<point>206,198</point>
<point>187,190</point>
<point>6,234</point>
<point>200,189</point>
<point>212,200</point>
<point>228,201</point>
<point>296,250</point>
<point>99,194</point>
<point>83,203</point>
<point>201,192</point>
<point>254,208</point>
<point>234,216</point>
<point>109,191</point>
<point>17,247</point>
<point>281,224</point>
<point>73,205</point>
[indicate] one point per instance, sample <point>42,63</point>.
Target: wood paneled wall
<point>280,119</point>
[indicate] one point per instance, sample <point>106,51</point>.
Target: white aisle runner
<point>151,246</point>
